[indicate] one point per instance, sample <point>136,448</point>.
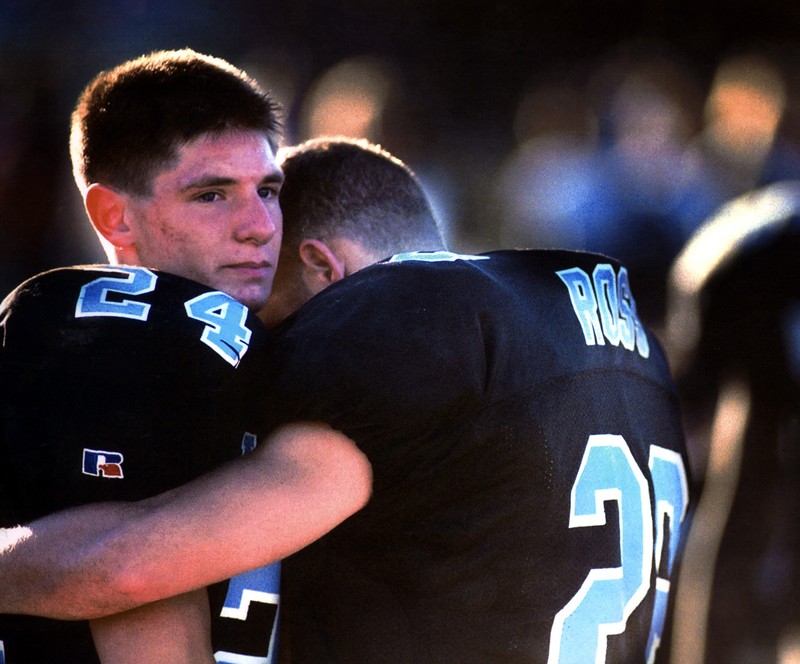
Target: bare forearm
<point>90,562</point>
<point>45,570</point>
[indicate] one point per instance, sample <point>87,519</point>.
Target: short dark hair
<point>129,121</point>
<point>341,187</point>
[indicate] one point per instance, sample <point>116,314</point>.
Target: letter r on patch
<point>101,463</point>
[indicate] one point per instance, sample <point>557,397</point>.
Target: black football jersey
<point>118,383</point>
<point>530,490</point>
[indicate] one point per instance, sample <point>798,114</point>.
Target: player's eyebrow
<point>277,177</point>
<point>204,181</point>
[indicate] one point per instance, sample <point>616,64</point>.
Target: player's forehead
<point>237,155</point>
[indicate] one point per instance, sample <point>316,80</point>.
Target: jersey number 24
<point>225,331</point>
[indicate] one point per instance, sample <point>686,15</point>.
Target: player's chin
<point>253,296</point>
<point>251,285</point>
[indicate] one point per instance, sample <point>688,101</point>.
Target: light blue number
<point>608,471</point>
<point>225,330</point>
<point>259,585</point>
<point>672,500</point>
<point>93,298</point>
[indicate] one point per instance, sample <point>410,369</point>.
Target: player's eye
<point>271,191</point>
<point>208,197</point>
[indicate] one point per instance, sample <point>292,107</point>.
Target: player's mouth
<point>252,270</point>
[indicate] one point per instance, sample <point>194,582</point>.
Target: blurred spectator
<point>661,197</point>
<point>553,189</point>
<point>610,174</point>
<point>348,100</point>
<point>741,146</point>
<point>733,338</point>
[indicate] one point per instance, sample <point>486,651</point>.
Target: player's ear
<point>106,210</point>
<point>321,267</point>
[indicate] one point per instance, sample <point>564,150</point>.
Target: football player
<point>112,376</point>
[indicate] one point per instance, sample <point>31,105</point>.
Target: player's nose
<point>260,221</point>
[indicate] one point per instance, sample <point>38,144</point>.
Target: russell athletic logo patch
<point>101,463</point>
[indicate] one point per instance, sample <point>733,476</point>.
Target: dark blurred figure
<point>32,159</point>
<point>733,337</point>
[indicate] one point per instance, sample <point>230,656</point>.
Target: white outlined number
<point>93,299</point>
<point>671,489</point>
<point>259,585</point>
<point>608,471</point>
<point>225,331</point>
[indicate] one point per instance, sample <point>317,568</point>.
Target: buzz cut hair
<point>352,188</point>
<point>130,121</point>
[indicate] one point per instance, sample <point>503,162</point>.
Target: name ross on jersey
<point>605,307</point>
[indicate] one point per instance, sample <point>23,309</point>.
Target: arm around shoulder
<point>301,482</point>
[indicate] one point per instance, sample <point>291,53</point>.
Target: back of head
<point>339,187</point>
<point>130,120</point>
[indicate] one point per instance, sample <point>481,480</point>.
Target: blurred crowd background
<point>615,126</point>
